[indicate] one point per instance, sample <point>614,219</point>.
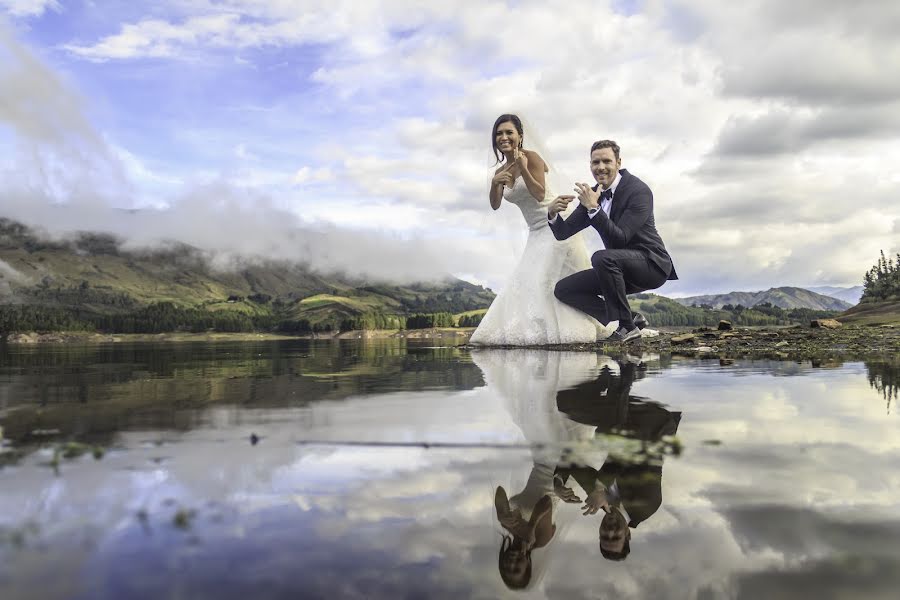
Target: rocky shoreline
<point>776,343</point>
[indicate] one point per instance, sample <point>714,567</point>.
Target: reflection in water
<point>786,488</point>
<point>628,486</point>
<point>92,392</point>
<point>885,378</point>
<point>559,401</point>
<point>527,381</point>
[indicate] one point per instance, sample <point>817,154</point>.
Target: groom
<point>620,208</point>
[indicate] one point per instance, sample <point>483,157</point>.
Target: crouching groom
<point>620,209</point>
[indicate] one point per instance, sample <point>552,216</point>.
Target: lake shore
<point>779,343</point>
<point>90,337</point>
<point>794,342</point>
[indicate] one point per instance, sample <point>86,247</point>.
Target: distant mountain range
<point>847,294</point>
<point>783,297</point>
<point>93,274</point>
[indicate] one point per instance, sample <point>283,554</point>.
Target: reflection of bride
<point>528,382</point>
<point>526,313</point>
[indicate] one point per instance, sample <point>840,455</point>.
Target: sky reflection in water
<point>784,485</point>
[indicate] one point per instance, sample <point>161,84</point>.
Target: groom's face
<point>604,166</point>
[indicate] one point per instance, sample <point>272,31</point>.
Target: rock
<point>683,338</point>
<point>782,344</point>
<point>22,338</point>
<point>826,324</point>
<point>706,349</point>
<point>725,326</point>
<point>725,336</point>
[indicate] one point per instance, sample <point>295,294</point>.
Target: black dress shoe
<point>640,320</point>
<point>624,335</point>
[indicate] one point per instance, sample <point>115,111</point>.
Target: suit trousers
<point>616,274</point>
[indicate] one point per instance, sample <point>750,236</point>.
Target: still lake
<point>383,469</point>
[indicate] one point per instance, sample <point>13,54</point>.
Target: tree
<point>882,281</point>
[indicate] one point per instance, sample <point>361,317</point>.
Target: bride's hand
<point>503,178</point>
<point>521,159</point>
<point>558,205</point>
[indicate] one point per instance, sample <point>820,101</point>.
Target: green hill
<point>783,297</point>
<point>872,313</point>
<point>91,279</point>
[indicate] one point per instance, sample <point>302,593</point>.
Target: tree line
<point>669,313</point>
<point>882,281</point>
<point>164,317</point>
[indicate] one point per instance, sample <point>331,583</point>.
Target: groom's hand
<point>558,205</point>
<point>589,198</point>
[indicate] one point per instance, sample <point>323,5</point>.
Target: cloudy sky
<point>356,134</point>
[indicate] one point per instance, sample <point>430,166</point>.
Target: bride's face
<point>507,137</point>
<point>604,166</point>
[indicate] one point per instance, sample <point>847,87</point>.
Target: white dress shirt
<point>614,497</point>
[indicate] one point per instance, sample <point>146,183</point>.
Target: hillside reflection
<point>91,392</point>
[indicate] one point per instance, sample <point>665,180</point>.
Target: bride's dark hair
<point>508,118</point>
<point>514,581</point>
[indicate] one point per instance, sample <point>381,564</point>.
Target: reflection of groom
<point>620,208</point>
<point>627,488</point>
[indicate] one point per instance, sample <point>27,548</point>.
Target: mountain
<point>847,294</point>
<point>93,274</point>
<point>784,297</point>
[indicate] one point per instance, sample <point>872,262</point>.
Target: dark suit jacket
<point>629,226</point>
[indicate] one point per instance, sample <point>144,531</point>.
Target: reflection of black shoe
<point>624,335</point>
<point>640,320</point>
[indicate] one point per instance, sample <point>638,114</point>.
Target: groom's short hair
<point>606,144</point>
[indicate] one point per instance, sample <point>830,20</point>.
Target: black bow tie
<point>606,195</point>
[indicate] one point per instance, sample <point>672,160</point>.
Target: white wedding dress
<point>526,313</point>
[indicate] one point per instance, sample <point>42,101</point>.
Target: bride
<point>526,313</point>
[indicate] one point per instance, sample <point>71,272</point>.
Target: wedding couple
<point>557,294</point>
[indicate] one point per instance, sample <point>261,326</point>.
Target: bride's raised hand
<point>521,159</point>
<point>558,204</point>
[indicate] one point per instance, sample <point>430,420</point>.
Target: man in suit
<point>620,209</point>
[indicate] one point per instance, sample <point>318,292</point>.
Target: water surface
<point>371,469</point>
